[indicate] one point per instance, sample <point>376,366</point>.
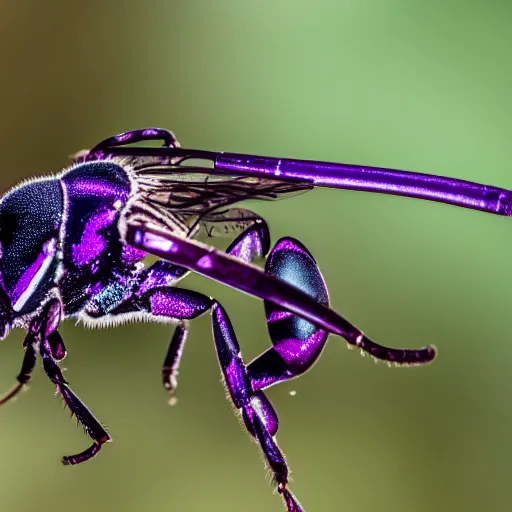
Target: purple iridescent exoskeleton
<point>72,246</point>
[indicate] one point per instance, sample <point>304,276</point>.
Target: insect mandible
<point>73,245</point>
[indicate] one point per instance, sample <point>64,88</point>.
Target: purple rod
<point>345,176</point>
<point>231,271</point>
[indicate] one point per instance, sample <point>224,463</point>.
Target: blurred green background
<point>413,85</point>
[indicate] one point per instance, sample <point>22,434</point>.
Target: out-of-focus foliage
<point>413,85</point>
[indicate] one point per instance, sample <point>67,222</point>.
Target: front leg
<point>57,349</point>
<point>91,425</point>
<point>27,367</point>
<point>51,349</point>
<point>42,335</point>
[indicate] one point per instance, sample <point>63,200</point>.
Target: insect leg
<point>164,272</point>
<point>156,297</point>
<point>165,301</point>
<point>172,360</point>
<point>258,414</point>
<point>152,289</point>
<point>297,342</point>
<point>51,348</point>
<point>252,243</point>
<point>46,322</point>
<point>57,347</point>
<point>27,366</point>
<point>134,136</point>
<point>91,425</point>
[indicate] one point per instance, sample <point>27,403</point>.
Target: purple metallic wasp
<point>72,246</point>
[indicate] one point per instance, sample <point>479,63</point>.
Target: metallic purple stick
<point>344,176</point>
<point>250,279</point>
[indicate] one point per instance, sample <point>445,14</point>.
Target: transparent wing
<point>226,222</point>
<point>200,200</point>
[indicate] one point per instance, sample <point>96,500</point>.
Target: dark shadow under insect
<point>72,246</point>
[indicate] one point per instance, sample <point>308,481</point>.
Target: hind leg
<point>257,412</point>
<point>297,343</point>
